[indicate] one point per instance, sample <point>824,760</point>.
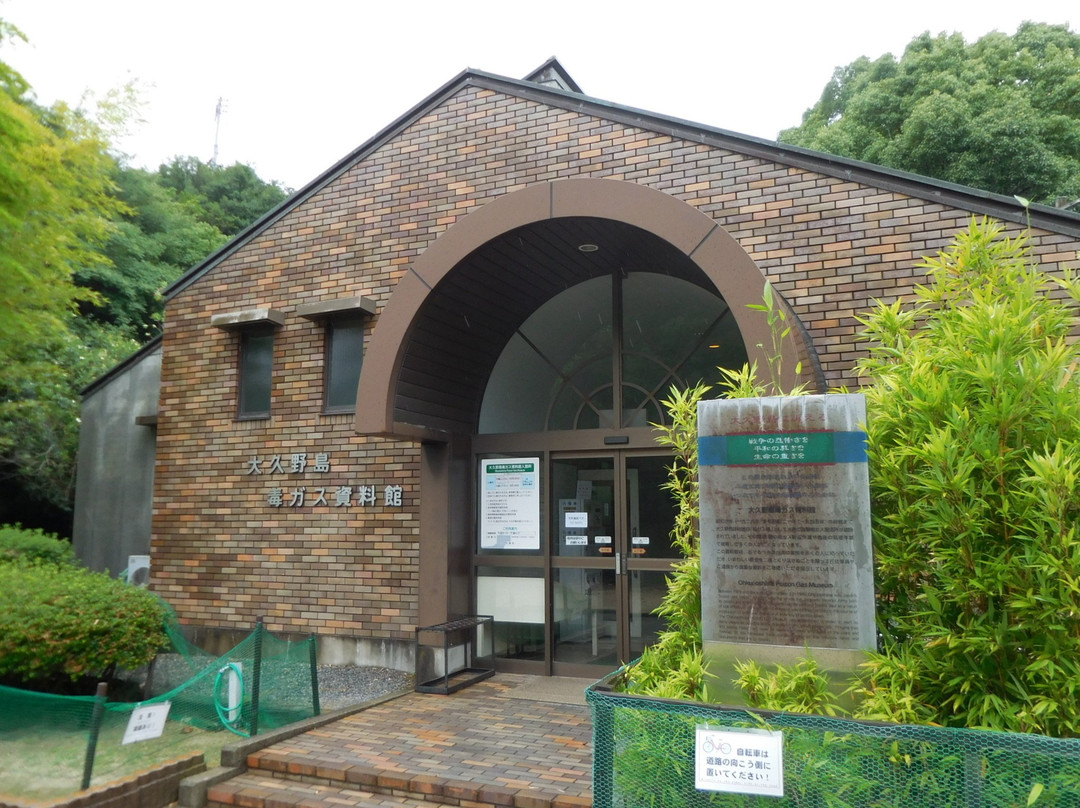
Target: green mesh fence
<point>644,755</point>
<point>263,683</point>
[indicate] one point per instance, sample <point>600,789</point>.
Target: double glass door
<point>610,521</point>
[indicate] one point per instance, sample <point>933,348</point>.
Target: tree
<point>974,443</point>
<point>153,242</point>
<point>86,245</point>
<point>227,197</point>
<point>1002,114</point>
<point>56,204</point>
<point>170,221</point>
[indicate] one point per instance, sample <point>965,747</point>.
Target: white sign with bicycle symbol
<point>739,761</point>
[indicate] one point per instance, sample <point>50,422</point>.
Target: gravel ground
<point>345,685</point>
<point>339,685</point>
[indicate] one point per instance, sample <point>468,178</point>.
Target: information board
<point>786,554</point>
<point>510,504</point>
<point>147,722</point>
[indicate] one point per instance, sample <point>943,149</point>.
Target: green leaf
<point>1035,793</point>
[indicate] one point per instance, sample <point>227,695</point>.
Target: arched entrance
<point>535,340</point>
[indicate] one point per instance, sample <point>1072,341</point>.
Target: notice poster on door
<point>510,504</point>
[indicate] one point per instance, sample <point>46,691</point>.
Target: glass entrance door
<point>610,551</point>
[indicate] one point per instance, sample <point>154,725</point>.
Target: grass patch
<point>39,763</point>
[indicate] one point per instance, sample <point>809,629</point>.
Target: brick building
<point>380,404</point>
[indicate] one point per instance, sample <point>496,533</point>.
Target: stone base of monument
<point>838,664</point>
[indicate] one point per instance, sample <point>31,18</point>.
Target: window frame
<point>353,309</point>
<point>334,323</point>
<point>246,323</point>
<point>246,335</point>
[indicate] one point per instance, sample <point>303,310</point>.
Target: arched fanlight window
<point>603,353</point>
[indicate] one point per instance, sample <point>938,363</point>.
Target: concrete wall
<point>114,495</point>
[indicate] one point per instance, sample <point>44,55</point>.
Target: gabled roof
<point>550,91</point>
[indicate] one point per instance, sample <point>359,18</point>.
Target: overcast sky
<point>306,82</point>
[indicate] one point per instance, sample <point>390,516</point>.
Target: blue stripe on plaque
<point>782,449</point>
<point>712,450</point>
<point>850,447</point>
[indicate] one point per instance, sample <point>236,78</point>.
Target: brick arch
<point>731,270</point>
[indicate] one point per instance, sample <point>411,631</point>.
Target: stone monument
<point>786,554</point>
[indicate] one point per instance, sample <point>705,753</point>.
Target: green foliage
<point>800,688</point>
<point>974,445</point>
<point>85,248</point>
<point>172,219</point>
<point>39,405</point>
<point>62,623</point>
<point>227,197</point>
<point>1002,114</point>
<point>743,383</point>
<point>18,544</point>
<point>55,204</point>
<point>153,243</point>
<point>674,666</point>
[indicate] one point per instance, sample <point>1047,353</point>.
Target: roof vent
<point>553,74</point>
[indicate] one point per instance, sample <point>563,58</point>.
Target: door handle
<point>618,563</point>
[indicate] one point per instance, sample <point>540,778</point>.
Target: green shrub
<point>62,623</point>
<point>974,444</point>
<point>17,542</point>
<point>973,402</point>
<point>800,688</point>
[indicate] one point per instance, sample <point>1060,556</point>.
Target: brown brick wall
<point>222,556</point>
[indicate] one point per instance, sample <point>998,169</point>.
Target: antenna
<point>222,105</point>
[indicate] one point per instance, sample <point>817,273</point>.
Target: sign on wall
<point>345,495</point>
<point>510,504</point>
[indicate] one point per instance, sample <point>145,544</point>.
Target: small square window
<point>256,372</point>
<point>344,358</point>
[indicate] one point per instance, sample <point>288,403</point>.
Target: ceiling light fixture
<point>587,248</point>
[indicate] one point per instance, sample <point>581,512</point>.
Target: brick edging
<point>440,790</point>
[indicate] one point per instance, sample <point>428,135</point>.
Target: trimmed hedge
<point>16,542</point>
<point>65,622</point>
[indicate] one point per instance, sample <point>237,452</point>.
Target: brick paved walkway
<point>481,734</point>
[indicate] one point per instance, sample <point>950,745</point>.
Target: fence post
<point>95,728</point>
<point>256,676</point>
<point>603,714</point>
<point>313,656</point>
